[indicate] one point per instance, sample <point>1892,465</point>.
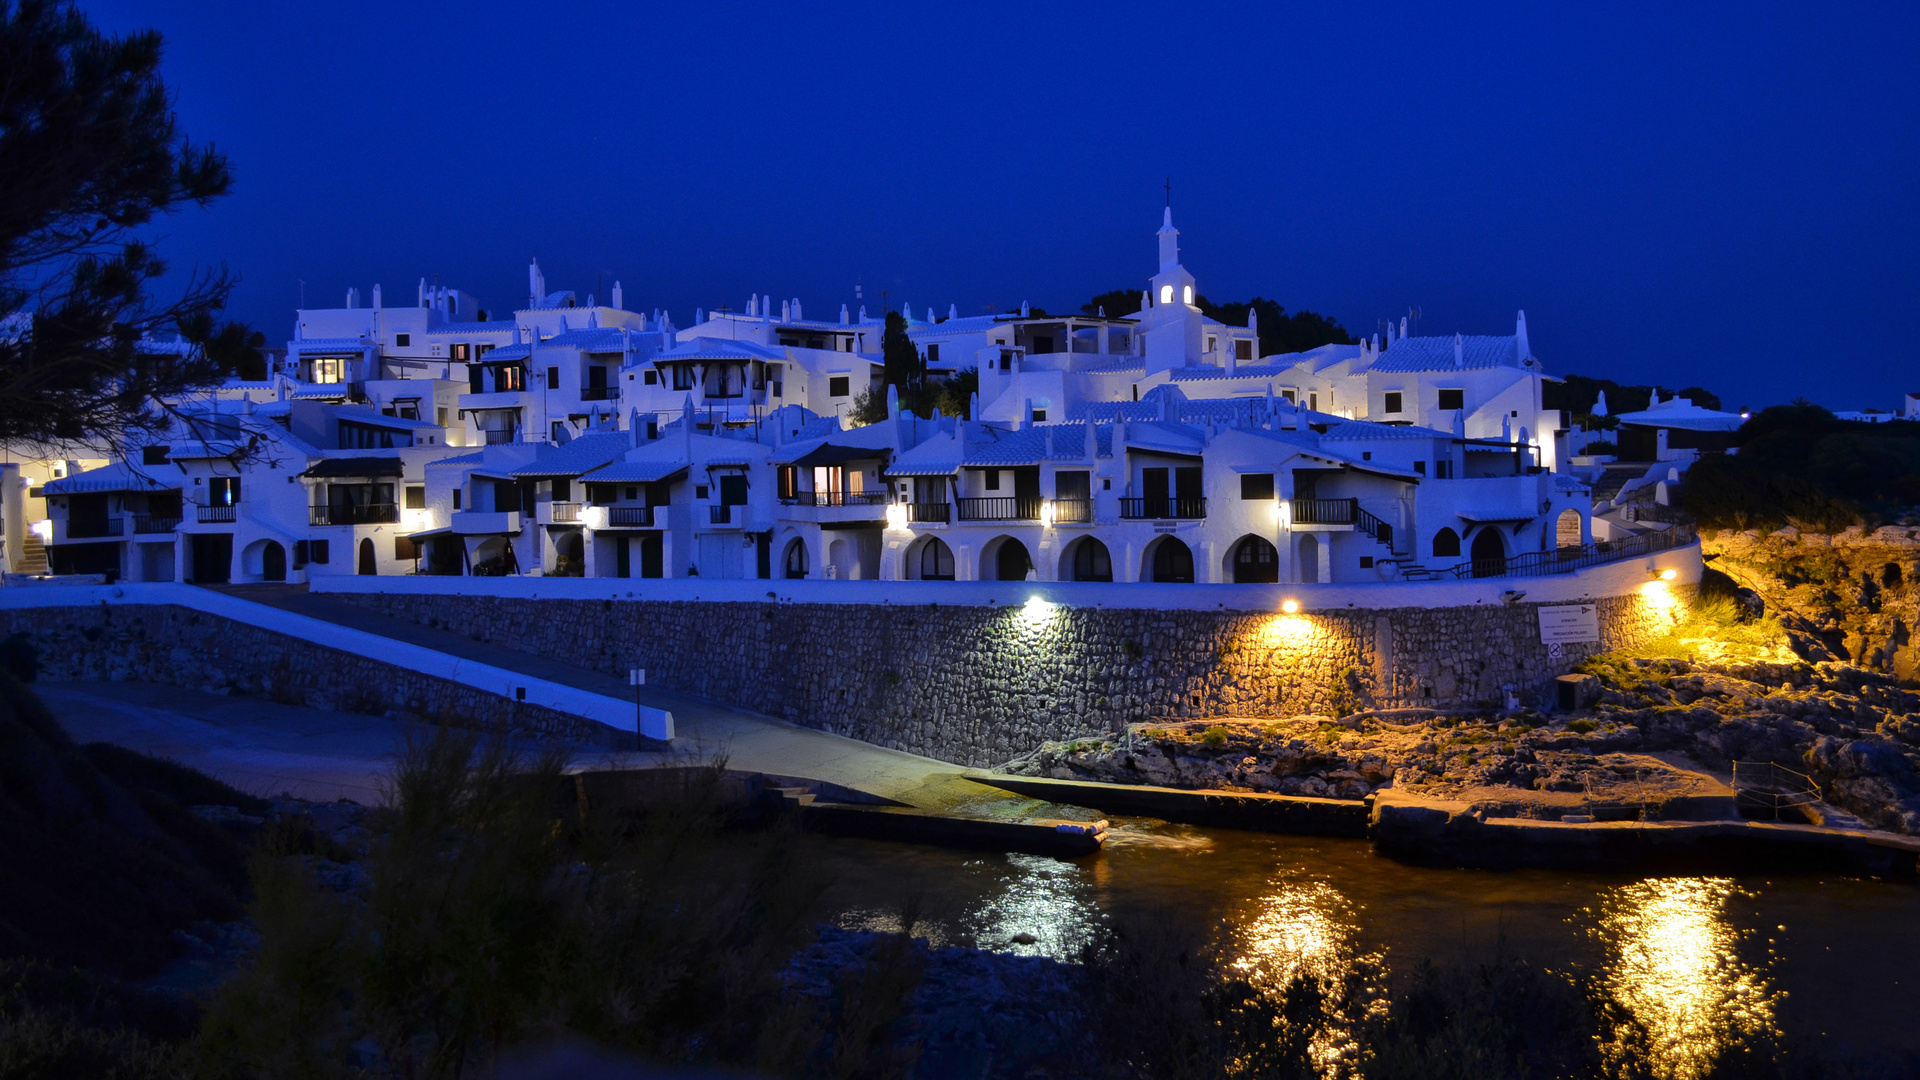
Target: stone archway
<point>1009,561</point>
<point>1087,559</point>
<point>1169,560</point>
<point>1255,561</point>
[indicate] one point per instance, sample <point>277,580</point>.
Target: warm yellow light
<point>1669,574</point>
<point>1658,596</point>
<point>1286,630</point>
<point>1187,294</point>
<point>1290,606</point>
<point>897,516</point>
<point>1166,294</point>
<point>1046,514</point>
<point>1036,611</point>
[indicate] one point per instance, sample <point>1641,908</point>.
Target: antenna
<point>1169,192</point>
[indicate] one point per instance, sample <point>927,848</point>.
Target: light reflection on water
<point>1672,960</point>
<point>1306,927</point>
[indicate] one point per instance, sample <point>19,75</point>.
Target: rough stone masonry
<point>979,685</point>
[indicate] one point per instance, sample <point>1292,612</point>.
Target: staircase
<point>34,558</point>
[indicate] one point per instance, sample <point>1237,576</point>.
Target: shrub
<point>1215,737</point>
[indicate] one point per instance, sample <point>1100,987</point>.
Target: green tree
<point>1118,304</point>
<point>236,348</point>
<point>90,152</point>
<point>905,368</point>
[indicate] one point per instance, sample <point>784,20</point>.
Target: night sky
<point>1681,193</point>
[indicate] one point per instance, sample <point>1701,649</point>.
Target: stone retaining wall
<point>977,685</point>
<point>182,647</point>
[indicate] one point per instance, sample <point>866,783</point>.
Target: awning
<point>829,454</point>
<point>1494,517</point>
<point>367,466</point>
<point>637,472</point>
<point>443,530</point>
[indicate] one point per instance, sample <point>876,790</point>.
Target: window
<point>416,497</point>
<point>456,498</point>
<point>733,490</point>
<point>936,561</point>
<point>405,548</point>
<point>1453,399</point>
<point>154,455</point>
<point>777,387</point>
<point>1313,402</point>
<point>409,410</point>
<point>1256,486</point>
<point>320,551</point>
<point>325,369</point>
<point>553,377</point>
<point>355,436</point>
<point>562,490</point>
<point>1420,467</point>
<point>632,493</point>
<point>1106,483</point>
<point>461,352</point>
<point>993,479</point>
<point>401,341</point>
<point>651,378</point>
<point>933,352</point>
<point>1212,344</point>
<point>1243,350</point>
<point>223,491</point>
<point>440,416</point>
<point>1039,416</point>
<point>700,491</point>
<point>1443,470</point>
<point>837,386</point>
<point>1366,455</point>
<point>559,430</point>
<point>1446,544</point>
<point>682,377</point>
<point>653,429</point>
<point>1290,395</point>
<point>1366,562</point>
<point>1391,401</point>
<point>1166,294</point>
<point>1186,295</point>
<point>299,554</point>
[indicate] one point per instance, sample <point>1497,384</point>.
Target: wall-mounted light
<point>1046,513</point>
<point>1291,607</point>
<point>1669,574</point>
<point>897,516</point>
<point>1036,611</point>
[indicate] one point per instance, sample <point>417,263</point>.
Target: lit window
<point>1166,294</point>
<point>1186,295</point>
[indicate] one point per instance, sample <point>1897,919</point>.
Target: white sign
<point>1574,622</point>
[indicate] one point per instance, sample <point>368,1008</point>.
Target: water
<point>1824,959</point>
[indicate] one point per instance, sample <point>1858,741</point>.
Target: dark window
<point>1453,399</point>
<point>402,340</point>
<point>456,498</point>
<point>699,491</point>
<point>154,455</point>
<point>1256,486</point>
<point>1366,562</point>
<point>477,379</point>
<point>837,386</point>
<point>1039,416</point>
<point>1072,485</point>
<point>993,479</point>
<point>1289,395</point>
<point>936,561</point>
<point>223,491</point>
<point>1392,401</point>
<point>1172,561</point>
<point>1446,544</point>
<point>299,554</point>
<point>682,377</point>
<point>562,490</point>
<point>797,559</point>
<point>1255,561</point>
<point>653,429</point>
<point>933,352</point>
<point>1091,561</point>
<point>1243,350</point>
<point>553,377</point>
<point>651,377</point>
<point>632,493</point>
<point>404,548</point>
<point>778,386</point>
<point>1420,467</point>
<point>416,497</point>
<point>320,551</point>
<point>733,490</point>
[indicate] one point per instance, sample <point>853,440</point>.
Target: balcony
<point>629,517</point>
<point>930,512</point>
<point>155,523</point>
<point>355,514</point>
<point>485,522</point>
<point>1073,511</point>
<point>1163,509</point>
<point>213,515</point>
<point>1340,512</point>
<point>95,528</point>
<point>723,514</point>
<point>999,509</point>
<point>495,436</point>
<point>599,393</point>
<point>563,513</point>
<point>835,498</point>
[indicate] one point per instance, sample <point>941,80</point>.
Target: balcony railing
<point>210,515</point>
<point>720,514</point>
<point>498,435</point>
<point>1568,559</point>
<point>930,511</point>
<point>1006,508</point>
<point>1164,509</point>
<point>93,528</point>
<point>1325,511</point>
<point>835,498</point>
<point>1073,511</point>
<point>356,514</point>
<point>155,523</point>
<point>630,516</point>
<point>598,393</point>
<point>565,513</point>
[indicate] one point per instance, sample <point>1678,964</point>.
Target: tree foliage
<point>1799,464</point>
<point>1578,394</point>
<point>90,151</point>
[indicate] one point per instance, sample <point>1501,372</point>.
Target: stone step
<point>33,559</point>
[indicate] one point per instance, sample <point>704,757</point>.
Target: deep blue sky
<point>1716,194</point>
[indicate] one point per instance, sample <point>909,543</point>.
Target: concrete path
<point>256,744</point>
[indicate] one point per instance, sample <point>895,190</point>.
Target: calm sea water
<point>1824,958</point>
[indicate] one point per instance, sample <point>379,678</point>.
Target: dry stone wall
<point>181,647</point>
<point>978,685</point>
<point>1852,595</point>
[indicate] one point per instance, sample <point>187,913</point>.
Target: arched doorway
<point>569,554</point>
<point>1489,553</point>
<point>1255,562</point>
<point>932,562</point>
<point>1011,561</point>
<point>796,558</point>
<point>1309,556</point>
<point>840,559</point>
<point>273,562</point>
<point>1089,561</point>
<point>1566,530</point>
<point>1446,544</point>
<point>368,564</point>
<point>1170,560</point>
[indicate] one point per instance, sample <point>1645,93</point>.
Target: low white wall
<point>613,712</point>
<point>1613,579</point>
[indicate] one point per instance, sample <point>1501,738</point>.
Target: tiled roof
<point>707,348</point>
<point>645,471</point>
<point>1363,429</point>
<point>119,476</point>
<point>1117,368</point>
<point>587,339</point>
<point>582,455</point>
<point>1204,372</point>
<point>329,343</point>
<point>1436,354</point>
<point>505,353</point>
<point>472,328</point>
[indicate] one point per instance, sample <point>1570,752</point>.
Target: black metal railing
<point>1372,526</point>
<point>1073,511</point>
<point>354,514</point>
<point>597,393</point>
<point>1568,559</point>
<point>930,511</point>
<point>565,513</point>
<point>155,523</point>
<point>836,498</point>
<point>495,436</point>
<point>1162,508</point>
<point>1325,511</point>
<point>720,514</point>
<point>210,515</point>
<point>93,528</point>
<point>999,508</point>
<point>630,516</point>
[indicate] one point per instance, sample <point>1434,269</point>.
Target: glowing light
<point>897,516</point>
<point>1305,928</point>
<point>1658,596</point>
<point>1669,574</point>
<point>1283,630</point>
<point>1290,606</point>
<point>1036,611</point>
<point>1673,962</point>
<point>1046,513</point>
<point>1187,295</point>
<point>1166,294</point>
<point>42,529</point>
